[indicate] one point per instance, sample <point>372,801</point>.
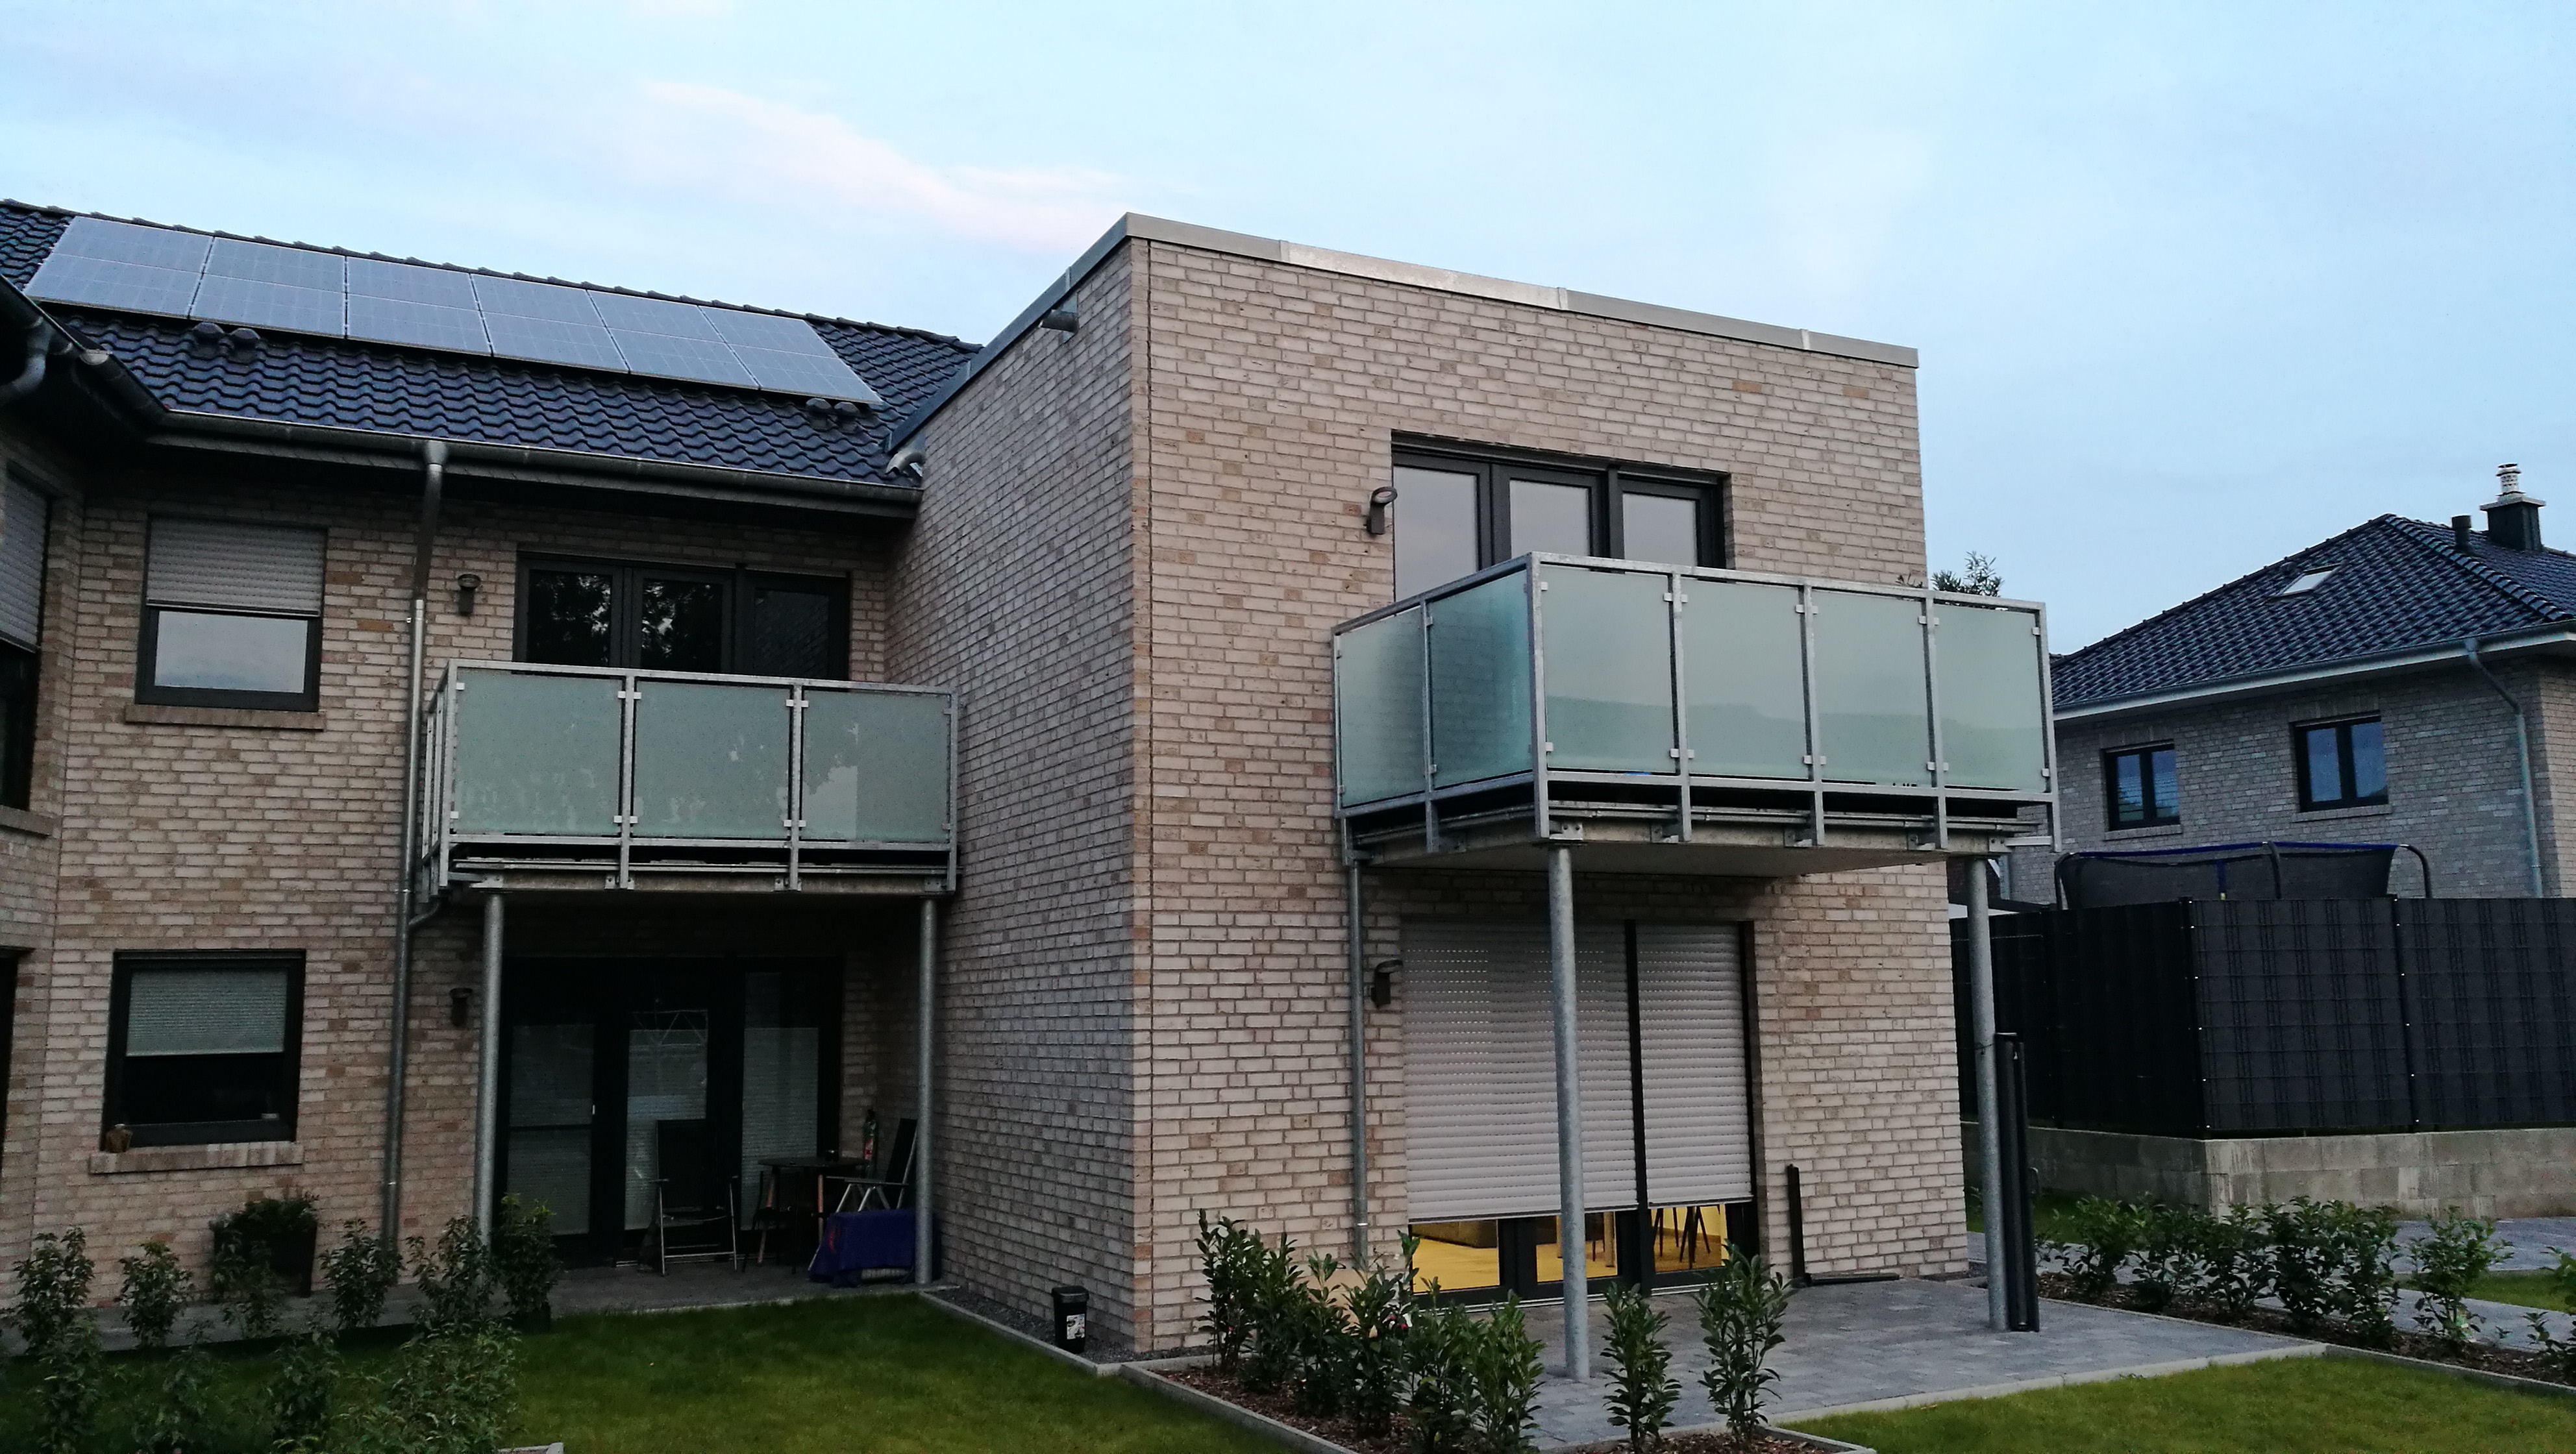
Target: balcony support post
<point>1990,1155</point>
<point>1358,994</point>
<point>1570,1242</point>
<point>487,1071</point>
<point>924,1141</point>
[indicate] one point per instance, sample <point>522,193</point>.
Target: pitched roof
<point>343,383</point>
<point>2396,583</point>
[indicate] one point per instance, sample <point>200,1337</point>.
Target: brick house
<point>775,670</point>
<point>2402,682</point>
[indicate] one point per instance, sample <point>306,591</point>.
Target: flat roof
<point>1385,270</point>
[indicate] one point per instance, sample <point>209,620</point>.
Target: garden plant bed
<point>1209,1380</point>
<point>2483,1357</point>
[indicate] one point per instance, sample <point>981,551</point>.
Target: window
<point>2341,765</point>
<point>1455,515</point>
<point>2305,581</point>
<point>2140,786</point>
<point>203,1048</point>
<point>23,513</point>
<point>232,616</point>
<point>677,618</point>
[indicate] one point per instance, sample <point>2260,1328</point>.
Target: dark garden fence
<point>2249,1017</point>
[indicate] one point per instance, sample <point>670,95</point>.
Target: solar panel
<point>125,242</point>
<point>767,330</point>
<point>422,325</point>
<point>705,360</point>
<point>802,373</point>
<point>653,315</point>
<point>535,300</point>
<point>548,340</point>
<point>105,284</point>
<point>410,283</point>
<point>271,305</point>
<point>259,262</point>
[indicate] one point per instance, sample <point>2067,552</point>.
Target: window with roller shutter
<point>25,515</point>
<point>203,1048</point>
<point>232,616</point>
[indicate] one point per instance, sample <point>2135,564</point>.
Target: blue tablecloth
<point>853,1242</point>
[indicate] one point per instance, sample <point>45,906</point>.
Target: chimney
<point>2461,539</point>
<point>2513,521</point>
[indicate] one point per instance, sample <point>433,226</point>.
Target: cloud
<point>716,141</point>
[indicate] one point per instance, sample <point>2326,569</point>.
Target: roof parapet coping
<point>1385,270</point>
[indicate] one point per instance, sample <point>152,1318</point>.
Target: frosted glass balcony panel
<point>1992,724</point>
<point>537,754</point>
<point>1873,709</point>
<point>710,761</point>
<point>1609,652</point>
<point>1480,682</point>
<point>876,767</point>
<point>1378,716</point>
<point>1744,674</point>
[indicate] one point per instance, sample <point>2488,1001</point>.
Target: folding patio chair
<point>692,1197</point>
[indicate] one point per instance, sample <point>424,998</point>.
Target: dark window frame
<point>147,662</point>
<point>741,584</point>
<point>1606,480</point>
<point>205,1133</point>
<point>21,673</point>
<point>2146,754</point>
<point>2345,786</point>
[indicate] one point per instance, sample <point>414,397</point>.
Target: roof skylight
<point>2306,581</point>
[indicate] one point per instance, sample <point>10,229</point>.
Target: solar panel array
<point>133,268</point>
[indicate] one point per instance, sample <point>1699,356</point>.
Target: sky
<point>2194,285</point>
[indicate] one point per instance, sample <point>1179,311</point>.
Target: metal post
<point>1569,1115</point>
<point>1981,1009</point>
<point>1359,1070</point>
<point>487,1077</point>
<point>433,484</point>
<point>924,1141</point>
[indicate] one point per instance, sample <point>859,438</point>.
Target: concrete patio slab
<point>1889,1344</point>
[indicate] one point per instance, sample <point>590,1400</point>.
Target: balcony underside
<point>1723,842</point>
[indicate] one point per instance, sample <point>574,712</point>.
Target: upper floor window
<point>23,519</point>
<point>676,618</point>
<point>204,1047</point>
<point>232,616</point>
<point>2141,787</point>
<point>1456,514</point>
<point>2341,765</point>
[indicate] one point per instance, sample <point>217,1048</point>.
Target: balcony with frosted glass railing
<point>1690,721</point>
<point>578,777</point>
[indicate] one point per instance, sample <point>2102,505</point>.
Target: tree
<point>1976,578</point>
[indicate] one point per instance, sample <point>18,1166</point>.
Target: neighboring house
<point>1112,820</point>
<point>2392,684</point>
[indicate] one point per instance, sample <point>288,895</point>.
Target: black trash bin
<point>1072,1319</point>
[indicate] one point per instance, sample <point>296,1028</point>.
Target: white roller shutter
<point>23,513</point>
<point>1480,1070</point>
<point>1699,1127</point>
<point>206,1012</point>
<point>229,564</point>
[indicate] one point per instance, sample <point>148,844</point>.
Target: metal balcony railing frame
<point>794,861</point>
<point>1818,787</point>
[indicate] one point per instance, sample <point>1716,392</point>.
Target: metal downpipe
<point>40,343</point>
<point>433,456</point>
<point>924,1143</point>
<point>1570,1242</point>
<point>1359,1070</point>
<point>1990,1129</point>
<point>487,1069</point>
<point>2522,748</point>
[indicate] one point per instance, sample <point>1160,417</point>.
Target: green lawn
<point>873,1375</point>
<point>2289,1406</point>
<point>2530,1289</point>
<point>2047,1214</point>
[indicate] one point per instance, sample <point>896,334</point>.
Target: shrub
<point>156,1288</point>
<point>1642,1387</point>
<point>2448,1262</point>
<point>1226,1256</point>
<point>359,1272</point>
<point>449,1390</point>
<point>2364,1289</point>
<point>299,1397</point>
<point>1504,1374</point>
<point>243,1271</point>
<point>2169,1255</point>
<point>2233,1270</point>
<point>1380,1310</point>
<point>181,1419</point>
<point>1321,1348</point>
<point>523,1260</point>
<point>1271,1283</point>
<point>1441,1406</point>
<point>456,1279</point>
<point>2563,1275</point>
<point>52,1314</point>
<point>2561,1351</point>
<point>2303,1260</point>
<point>1741,1309</point>
<point>2102,1235</point>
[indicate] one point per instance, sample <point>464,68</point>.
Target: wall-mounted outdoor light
<point>1382,983</point>
<point>1380,500</point>
<point>466,585</point>
<point>460,1005</point>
